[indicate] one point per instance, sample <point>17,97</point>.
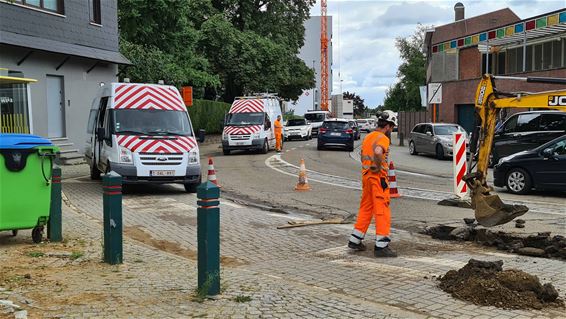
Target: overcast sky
<point>365,31</point>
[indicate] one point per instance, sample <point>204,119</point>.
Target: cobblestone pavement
<point>295,273</point>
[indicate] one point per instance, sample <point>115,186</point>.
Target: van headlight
<point>193,157</point>
<point>224,137</point>
<point>125,155</point>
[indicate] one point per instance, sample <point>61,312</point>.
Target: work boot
<point>356,247</point>
<point>384,252</point>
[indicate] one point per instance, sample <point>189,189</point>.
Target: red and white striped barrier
<point>460,166</point>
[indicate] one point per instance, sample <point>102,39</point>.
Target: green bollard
<point>54,226</point>
<point>208,238</point>
<point>112,220</point>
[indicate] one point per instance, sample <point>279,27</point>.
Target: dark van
<point>527,130</point>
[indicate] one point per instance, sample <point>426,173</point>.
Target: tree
<point>405,95</point>
<point>359,106</point>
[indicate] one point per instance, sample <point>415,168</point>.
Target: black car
<point>527,130</point>
<point>356,128</point>
<point>336,132</point>
<point>543,167</point>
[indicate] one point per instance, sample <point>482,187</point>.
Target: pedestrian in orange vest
<point>278,133</point>
<point>375,189</point>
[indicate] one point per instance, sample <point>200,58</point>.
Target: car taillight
<point>349,131</point>
<point>322,130</point>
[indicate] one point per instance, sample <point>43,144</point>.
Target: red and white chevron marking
<point>460,165</point>
<point>152,144</point>
<point>147,97</point>
<point>241,130</point>
<point>247,106</point>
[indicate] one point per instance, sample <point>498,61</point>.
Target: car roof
<point>438,124</point>
<point>337,120</point>
<point>539,111</point>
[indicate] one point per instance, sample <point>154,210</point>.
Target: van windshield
<point>151,122</point>
<point>241,119</point>
<point>314,117</point>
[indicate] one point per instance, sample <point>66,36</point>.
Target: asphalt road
<point>334,177</point>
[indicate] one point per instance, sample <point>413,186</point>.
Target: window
<point>528,122</point>
<point>91,121</point>
<point>418,129</point>
<point>56,6</point>
<point>428,128</point>
<point>510,125</point>
<point>553,122</point>
<point>95,15</point>
<point>559,148</point>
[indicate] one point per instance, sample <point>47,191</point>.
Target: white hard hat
<point>384,116</point>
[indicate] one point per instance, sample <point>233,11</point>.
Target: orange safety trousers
<point>278,138</point>
<point>375,203</point>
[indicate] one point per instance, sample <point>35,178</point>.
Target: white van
<point>249,124</point>
<point>142,132</point>
<point>316,118</point>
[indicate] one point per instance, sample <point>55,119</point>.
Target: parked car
<point>433,138</point>
<point>336,132</point>
<point>373,124</point>
<point>527,130</point>
<point>356,128</point>
<point>543,167</point>
<point>298,128</point>
<point>364,125</point>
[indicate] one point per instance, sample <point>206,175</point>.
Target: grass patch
<point>76,255</point>
<point>35,254</point>
<point>242,298</point>
<point>201,293</point>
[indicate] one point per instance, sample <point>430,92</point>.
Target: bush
<point>208,115</point>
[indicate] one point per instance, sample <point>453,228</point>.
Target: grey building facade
<point>70,47</point>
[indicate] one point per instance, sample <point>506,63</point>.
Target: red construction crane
<point>323,57</point>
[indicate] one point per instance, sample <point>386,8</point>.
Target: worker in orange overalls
<point>375,189</point>
<point>278,133</point>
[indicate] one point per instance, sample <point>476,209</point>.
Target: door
<point>428,139</point>
<point>98,144</point>
<point>55,107</point>
<point>466,116</point>
<point>551,173</point>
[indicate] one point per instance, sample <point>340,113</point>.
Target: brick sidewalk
<point>294,273</point>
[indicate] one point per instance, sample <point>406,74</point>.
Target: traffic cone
<point>393,191</point>
<point>303,184</point>
<point>212,172</point>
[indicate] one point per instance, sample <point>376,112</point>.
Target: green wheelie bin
<point>26,163</point>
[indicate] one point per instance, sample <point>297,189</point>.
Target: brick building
<point>499,43</point>
<point>70,47</point>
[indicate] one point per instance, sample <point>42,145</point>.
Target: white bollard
<point>459,164</point>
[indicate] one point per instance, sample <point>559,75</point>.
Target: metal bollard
<point>208,238</point>
<point>112,221</point>
<point>401,139</point>
<point>54,226</point>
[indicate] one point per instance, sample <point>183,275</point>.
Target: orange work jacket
<point>371,141</point>
<point>278,127</point>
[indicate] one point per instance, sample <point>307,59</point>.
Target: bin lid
<point>22,141</point>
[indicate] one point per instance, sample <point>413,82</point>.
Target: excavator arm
<point>489,209</point>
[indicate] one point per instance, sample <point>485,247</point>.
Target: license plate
<point>162,173</point>
<point>335,134</point>
<point>239,143</point>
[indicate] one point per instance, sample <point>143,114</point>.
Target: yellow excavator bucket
<point>490,210</point>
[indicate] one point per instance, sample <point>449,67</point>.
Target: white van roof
<point>140,96</point>
<point>317,111</point>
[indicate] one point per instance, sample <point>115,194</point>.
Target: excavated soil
<point>486,283</point>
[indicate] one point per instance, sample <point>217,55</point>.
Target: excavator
<point>489,209</point>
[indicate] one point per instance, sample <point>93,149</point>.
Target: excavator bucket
<point>491,211</point>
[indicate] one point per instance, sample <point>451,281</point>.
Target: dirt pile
<point>537,245</point>
<point>486,283</point>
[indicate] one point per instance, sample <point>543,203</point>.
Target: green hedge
<point>208,115</point>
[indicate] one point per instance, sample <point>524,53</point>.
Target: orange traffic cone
<point>212,172</point>
<point>393,191</point>
<point>303,184</point>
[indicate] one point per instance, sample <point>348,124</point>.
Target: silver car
<point>433,138</point>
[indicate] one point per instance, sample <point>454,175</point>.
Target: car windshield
<point>315,117</point>
<point>335,125</point>
<point>151,122</point>
<point>446,129</point>
<point>296,122</point>
<point>242,119</point>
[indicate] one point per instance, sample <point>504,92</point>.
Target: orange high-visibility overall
<point>278,134</point>
<point>375,192</point>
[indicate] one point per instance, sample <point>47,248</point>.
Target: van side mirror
<point>100,132</point>
<point>267,125</point>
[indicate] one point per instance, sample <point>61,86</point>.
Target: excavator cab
<point>489,209</point>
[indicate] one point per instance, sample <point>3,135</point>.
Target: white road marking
<point>294,148</point>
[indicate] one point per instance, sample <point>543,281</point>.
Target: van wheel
<point>191,188</point>
<point>439,152</point>
<point>518,181</point>
<point>265,148</point>
<point>94,171</point>
<point>412,149</point>
<point>225,151</point>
